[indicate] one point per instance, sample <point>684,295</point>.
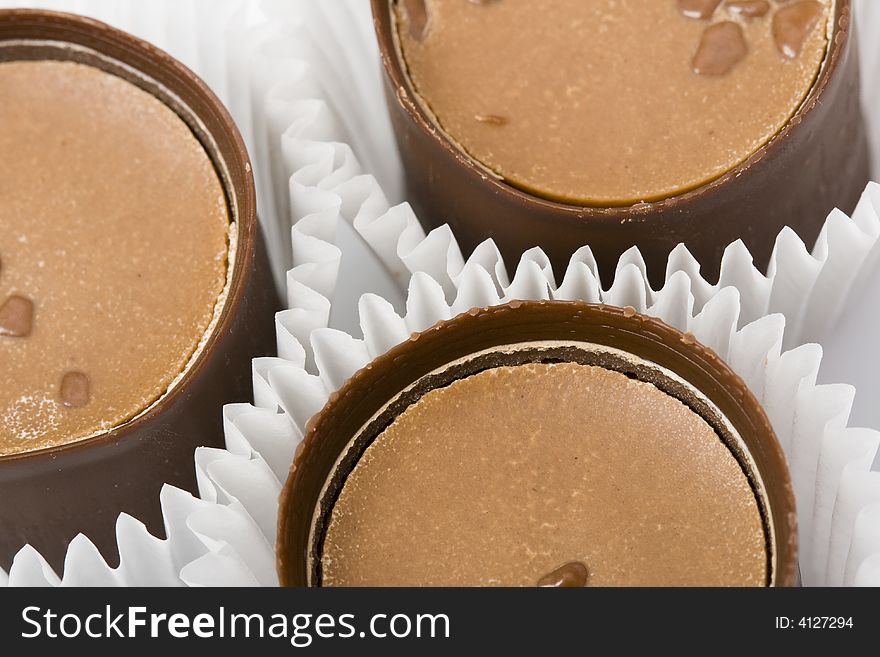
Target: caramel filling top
<point>612,102</point>
<point>114,248</point>
<point>549,475</point>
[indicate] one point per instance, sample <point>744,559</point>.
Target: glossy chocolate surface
<point>49,496</point>
<point>339,434</point>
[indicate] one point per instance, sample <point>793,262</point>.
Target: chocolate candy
<point>116,228</point>
<point>618,124</point>
<point>489,490</point>
<point>48,496</point>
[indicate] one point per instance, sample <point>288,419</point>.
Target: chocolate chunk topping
<point>699,9</point>
<point>417,14</point>
<point>491,119</point>
<point>793,23</point>
<point>16,317</point>
<point>748,8</point>
<point>75,389</point>
<point>573,574</point>
<point>722,47</point>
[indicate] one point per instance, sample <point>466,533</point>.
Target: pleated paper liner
<point>228,536</point>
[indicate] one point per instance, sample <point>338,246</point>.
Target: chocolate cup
<point>338,435</point>
<point>49,496</point>
<point>819,161</point>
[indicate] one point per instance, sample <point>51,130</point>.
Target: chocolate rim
<point>240,198</point>
<point>412,103</point>
<point>360,402</point>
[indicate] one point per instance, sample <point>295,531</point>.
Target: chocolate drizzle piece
<point>491,119</point>
<point>16,317</point>
<point>75,391</point>
<point>748,8</point>
<point>417,13</point>
<point>698,9</point>
<point>793,23</point>
<point>573,574</point>
<point>722,47</point>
